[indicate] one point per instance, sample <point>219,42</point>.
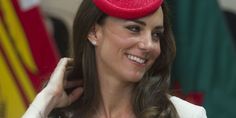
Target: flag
<point>27,55</point>
<point>206,55</point>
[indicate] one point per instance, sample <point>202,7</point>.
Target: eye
<point>134,28</point>
<point>156,36</point>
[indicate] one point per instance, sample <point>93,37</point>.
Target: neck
<point>116,98</point>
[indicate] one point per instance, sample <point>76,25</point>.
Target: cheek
<point>118,37</point>
<point>157,51</point>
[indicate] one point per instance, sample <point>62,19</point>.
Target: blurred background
<point>35,34</point>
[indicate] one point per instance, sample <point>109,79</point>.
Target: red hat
<point>128,9</point>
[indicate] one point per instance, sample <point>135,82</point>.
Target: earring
<point>94,42</point>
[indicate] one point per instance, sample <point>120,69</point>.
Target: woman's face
<point>126,49</point>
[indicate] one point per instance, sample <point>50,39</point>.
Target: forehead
<point>155,18</point>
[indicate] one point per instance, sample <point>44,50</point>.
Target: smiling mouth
<point>136,59</point>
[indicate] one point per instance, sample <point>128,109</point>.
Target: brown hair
<point>150,98</point>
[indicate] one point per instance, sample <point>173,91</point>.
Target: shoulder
<point>187,110</point>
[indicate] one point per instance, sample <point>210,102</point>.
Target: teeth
<point>136,59</point>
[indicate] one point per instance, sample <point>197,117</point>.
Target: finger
<point>74,95</point>
<point>63,101</point>
<point>58,74</point>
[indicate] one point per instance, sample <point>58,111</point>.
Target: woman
<point>121,65</point>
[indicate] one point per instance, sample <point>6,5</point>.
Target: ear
<point>94,34</point>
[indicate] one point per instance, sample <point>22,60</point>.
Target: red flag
<point>27,55</point>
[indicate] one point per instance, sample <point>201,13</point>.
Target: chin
<point>135,77</point>
<point>131,75</point>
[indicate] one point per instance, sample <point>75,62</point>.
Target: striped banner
<point>27,57</point>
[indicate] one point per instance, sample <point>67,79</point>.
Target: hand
<point>54,95</point>
<point>57,85</point>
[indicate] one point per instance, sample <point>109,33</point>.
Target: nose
<point>146,43</point>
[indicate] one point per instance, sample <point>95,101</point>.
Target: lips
<point>136,59</point>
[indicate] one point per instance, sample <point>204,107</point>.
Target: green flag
<point>206,55</point>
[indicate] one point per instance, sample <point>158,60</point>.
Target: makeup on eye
<point>157,32</point>
<point>137,25</point>
<point>157,35</point>
<point>134,28</point>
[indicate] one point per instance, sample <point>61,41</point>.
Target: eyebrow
<point>140,22</point>
<point>161,28</point>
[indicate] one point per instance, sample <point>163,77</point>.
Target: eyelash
<point>137,29</point>
<point>134,28</point>
<point>158,36</point>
